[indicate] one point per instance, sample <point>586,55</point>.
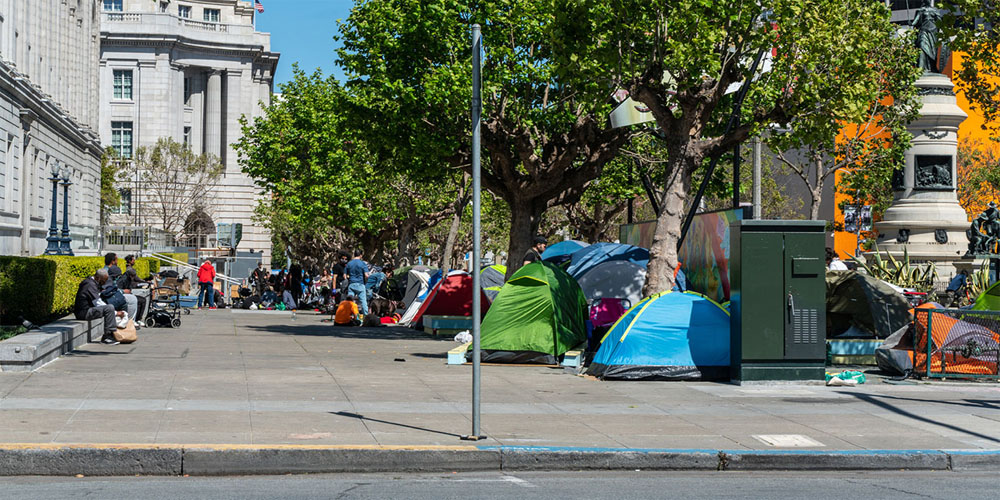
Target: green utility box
<point>778,300</point>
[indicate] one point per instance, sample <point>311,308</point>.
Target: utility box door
<point>762,298</point>
<point>804,296</point>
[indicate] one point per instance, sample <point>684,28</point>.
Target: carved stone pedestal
<point>926,217</point>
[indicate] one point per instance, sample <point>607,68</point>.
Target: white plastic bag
<point>463,337</point>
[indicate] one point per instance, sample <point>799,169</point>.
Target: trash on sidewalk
<point>463,337</point>
<point>848,378</point>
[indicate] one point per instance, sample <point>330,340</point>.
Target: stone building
<point>187,70</point>
<point>49,52</point>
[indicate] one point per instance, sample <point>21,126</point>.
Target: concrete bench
<point>30,350</point>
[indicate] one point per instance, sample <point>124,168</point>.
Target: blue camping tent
<point>560,252</point>
<point>668,336</point>
<point>584,259</point>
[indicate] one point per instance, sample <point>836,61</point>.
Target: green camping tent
<point>989,300</point>
<point>538,315</point>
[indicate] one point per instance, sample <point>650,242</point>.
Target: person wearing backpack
<point>206,278</point>
<point>113,294</point>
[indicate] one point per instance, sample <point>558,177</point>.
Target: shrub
<point>26,288</point>
<point>70,271</point>
<point>181,256</point>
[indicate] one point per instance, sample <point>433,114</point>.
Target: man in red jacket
<point>206,276</point>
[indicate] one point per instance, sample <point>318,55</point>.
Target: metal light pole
<point>477,105</point>
<point>64,241</point>
<point>53,246</point>
<point>756,178</point>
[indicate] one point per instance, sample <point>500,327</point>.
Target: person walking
<point>206,276</point>
<point>357,275</point>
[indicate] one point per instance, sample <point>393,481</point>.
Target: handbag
<point>113,297</point>
<point>126,335</point>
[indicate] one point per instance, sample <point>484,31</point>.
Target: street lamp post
<point>53,246</point>
<point>64,247</point>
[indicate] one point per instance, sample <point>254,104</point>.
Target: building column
<point>234,87</point>
<point>213,114</point>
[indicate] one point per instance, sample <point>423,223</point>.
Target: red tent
<point>452,296</point>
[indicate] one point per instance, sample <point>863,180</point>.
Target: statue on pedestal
<point>926,22</point>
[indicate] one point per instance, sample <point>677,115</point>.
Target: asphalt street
<point>568,485</point>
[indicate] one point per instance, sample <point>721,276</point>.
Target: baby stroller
<point>164,308</point>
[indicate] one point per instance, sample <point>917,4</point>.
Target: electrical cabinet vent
<point>804,327</point>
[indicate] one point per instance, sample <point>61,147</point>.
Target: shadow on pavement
<point>346,332</point>
<point>877,400</point>
<point>435,355</point>
<point>367,419</point>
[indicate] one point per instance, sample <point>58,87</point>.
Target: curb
<point>215,460</point>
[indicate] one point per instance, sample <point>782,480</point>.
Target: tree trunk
<point>663,258</point>
<point>524,220</point>
<point>406,233</point>
<point>456,224</point>
<point>814,203</point>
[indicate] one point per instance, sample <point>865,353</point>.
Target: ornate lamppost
<point>64,248</point>
<point>53,246</point>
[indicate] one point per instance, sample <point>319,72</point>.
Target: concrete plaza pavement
<point>265,378</point>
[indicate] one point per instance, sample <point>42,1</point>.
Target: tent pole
<point>476,250</point>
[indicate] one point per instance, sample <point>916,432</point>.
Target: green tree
<point>978,180</point>
<point>970,28</point>
<point>545,135</point>
<point>110,197</point>
<point>683,59</point>
<point>321,173</point>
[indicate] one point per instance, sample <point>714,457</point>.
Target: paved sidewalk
<point>258,378</point>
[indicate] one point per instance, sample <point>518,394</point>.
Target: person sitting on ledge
<point>347,313</point>
<point>88,305</point>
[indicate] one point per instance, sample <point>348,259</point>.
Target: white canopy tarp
<point>618,279</point>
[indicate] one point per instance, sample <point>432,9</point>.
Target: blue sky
<point>302,31</point>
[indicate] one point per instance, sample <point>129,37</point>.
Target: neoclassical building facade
<point>49,52</point>
<point>186,70</point>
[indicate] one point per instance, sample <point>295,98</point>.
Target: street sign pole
<point>476,250</point>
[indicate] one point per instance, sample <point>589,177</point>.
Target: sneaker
<point>110,341</point>
<point>212,308</point>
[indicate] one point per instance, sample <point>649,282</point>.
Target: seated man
<point>88,305</point>
<point>131,302</point>
<point>129,282</point>
<point>347,313</point>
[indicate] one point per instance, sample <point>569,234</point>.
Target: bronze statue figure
<point>926,23</point>
<point>984,233</point>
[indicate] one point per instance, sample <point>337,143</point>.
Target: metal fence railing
<point>956,343</point>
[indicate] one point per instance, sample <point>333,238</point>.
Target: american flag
<point>259,6</point>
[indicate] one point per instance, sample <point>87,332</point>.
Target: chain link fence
<point>956,343</point>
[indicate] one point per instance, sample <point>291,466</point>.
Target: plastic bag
<point>846,378</point>
<point>463,337</point>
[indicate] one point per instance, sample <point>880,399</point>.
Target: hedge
<point>181,256</point>
<point>71,270</point>
<point>26,289</point>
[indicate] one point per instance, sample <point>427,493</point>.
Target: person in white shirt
<point>833,262</point>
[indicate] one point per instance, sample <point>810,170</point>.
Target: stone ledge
<point>31,350</point>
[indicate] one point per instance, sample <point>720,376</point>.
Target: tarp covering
<point>452,296</point>
<point>988,300</point>
<point>616,279</point>
<point>869,304</point>
<point>584,259</point>
<point>539,314</point>
<point>491,279</point>
<point>667,336</point>
<point>561,251</point>
<point>966,345</point>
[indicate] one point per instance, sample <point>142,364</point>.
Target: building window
<point>125,207</point>
<point>113,6</point>
<point>164,6</point>
<point>187,136</point>
<point>212,15</point>
<point>121,138</point>
<point>123,84</point>
<point>187,90</point>
<point>184,11</point>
